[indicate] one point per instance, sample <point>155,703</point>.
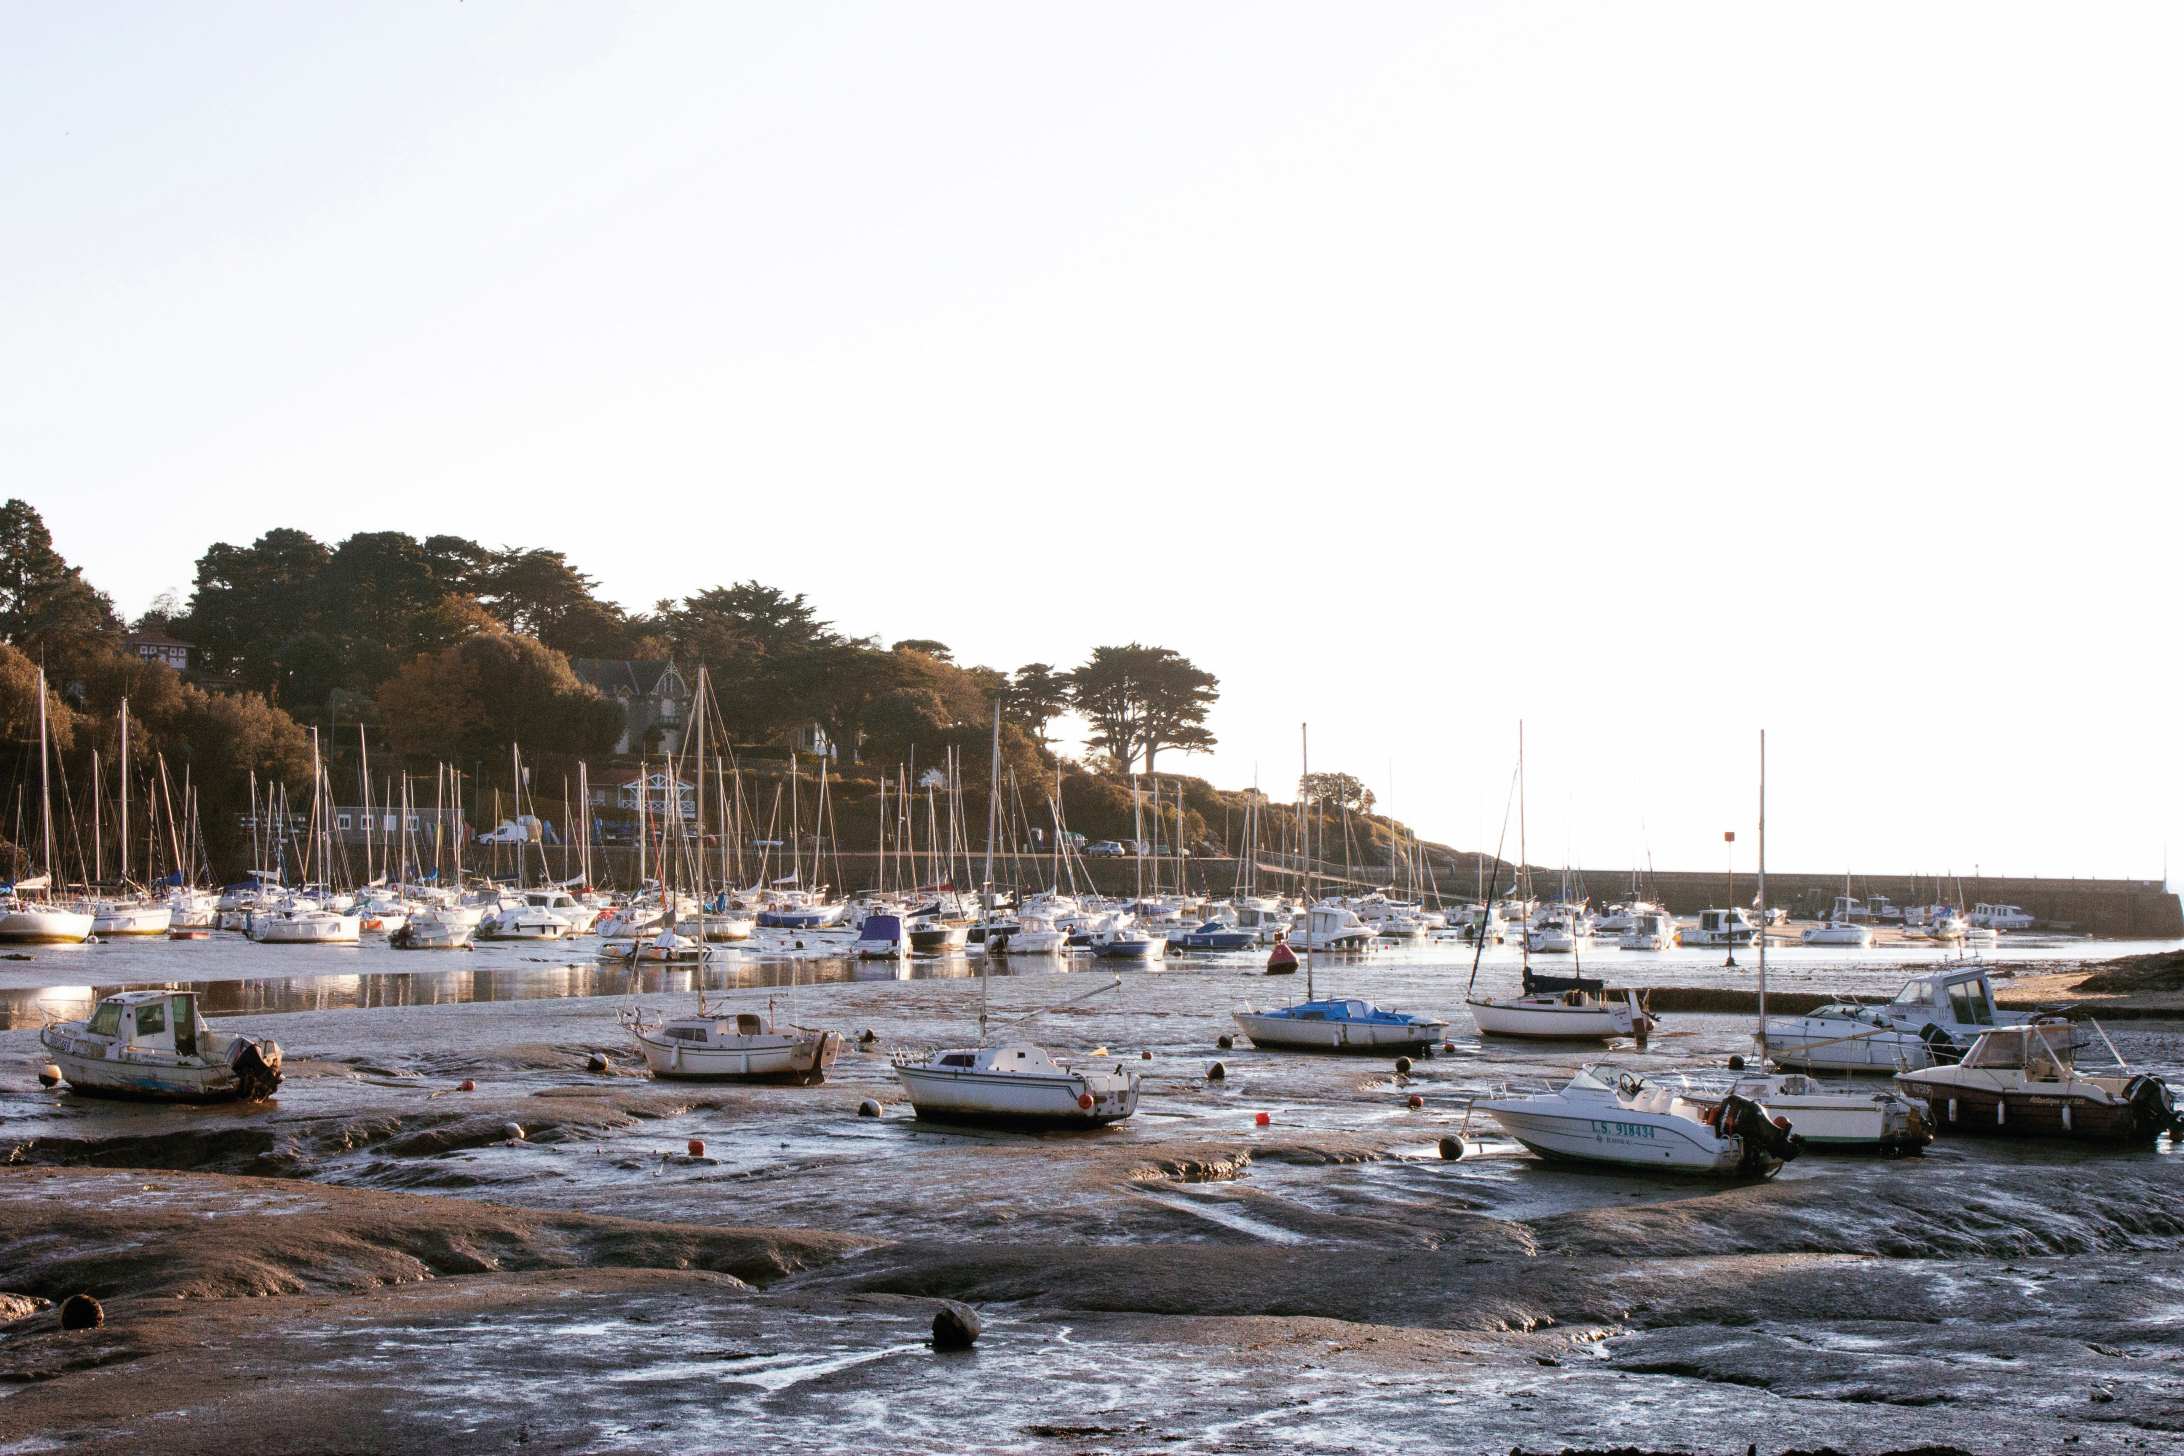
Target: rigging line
<point>1486,912</point>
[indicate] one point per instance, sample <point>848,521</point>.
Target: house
<point>654,697</point>
<point>653,790</point>
<point>153,645</point>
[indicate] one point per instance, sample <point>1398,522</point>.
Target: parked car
<point>1105,849</point>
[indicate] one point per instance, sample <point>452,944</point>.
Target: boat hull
<point>1621,1140</point>
<point>768,1057</point>
<point>37,926</point>
<point>1545,1020</point>
<point>1290,1033</point>
<point>1983,1111</point>
<point>1004,1099</point>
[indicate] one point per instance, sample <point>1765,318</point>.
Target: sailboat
<point>1017,1083</point>
<point>1828,1118</point>
<point>717,1045</point>
<point>1550,1008</point>
<point>42,920</point>
<point>1336,1024</point>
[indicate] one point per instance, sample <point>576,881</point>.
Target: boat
<point>1116,941</point>
<point>1933,1018</point>
<point>1019,1084</point>
<point>433,928</point>
<point>522,921</point>
<point>114,918</point>
<point>1026,935</point>
<point>42,921</point>
<point>1607,1115</point>
<point>721,1046</point>
<point>153,1044</point>
<point>2023,1081</point>
<point>1651,929</point>
<point>1730,927</point>
<point>1554,932</point>
<point>1837,932</point>
<point>1215,935</point>
<point>1331,928</point>
<point>1550,1008</point>
<point>880,937</point>
<point>2001,917</point>
<point>1344,1024</point>
<point>303,921</point>
<point>1840,1118</point>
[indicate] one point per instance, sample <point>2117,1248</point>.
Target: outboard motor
<point>1743,1118</point>
<point>2154,1107</point>
<point>1940,1045</point>
<point>257,1068</point>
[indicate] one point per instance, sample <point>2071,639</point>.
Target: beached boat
<point>1340,1025</point>
<point>436,927</point>
<point>153,1044</point>
<point>1932,1020</point>
<point>303,922</point>
<point>1731,927</point>
<point>2024,1081</point>
<point>42,922</point>
<point>1841,1119</point>
<point>1016,1083</point>
<point>1650,929</point>
<point>720,1046</point>
<point>880,937</point>
<point>1837,932</point>
<point>112,918</point>
<point>1026,935</point>
<point>1603,1115</point>
<point>523,921</point>
<point>1561,1008</point>
<point>1119,942</point>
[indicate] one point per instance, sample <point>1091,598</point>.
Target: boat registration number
<point>1620,1129</point>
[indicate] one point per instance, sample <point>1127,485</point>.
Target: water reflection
<point>34,1006</point>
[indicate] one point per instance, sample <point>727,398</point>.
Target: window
<point>958,1059</point>
<point>151,1018</point>
<point>1967,1005</point>
<point>341,821</point>
<point>106,1020</point>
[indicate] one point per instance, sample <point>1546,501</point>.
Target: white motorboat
<point>436,927</point>
<point>192,910</point>
<point>1330,928</point>
<point>1838,932</point>
<point>1027,935</point>
<point>1651,929</point>
<point>2001,917</point>
<point>1841,1119</point>
<point>111,918</point>
<point>2023,1081</point>
<point>719,1046</point>
<point>522,922</point>
<point>1117,941</point>
<point>303,922</point>
<point>1933,1018</point>
<point>1603,1115</point>
<point>1730,927</point>
<point>1021,1084</point>
<point>153,1044</point>
<point>665,948</point>
<point>558,902</point>
<point>1340,1025</point>
<point>1551,934</point>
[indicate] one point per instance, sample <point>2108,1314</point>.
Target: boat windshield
<point>106,1020</point>
<point>2041,1050</point>
<point>1914,993</point>
<point>1968,1002</point>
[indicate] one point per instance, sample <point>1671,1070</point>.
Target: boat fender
<point>868,1108</point>
<point>49,1076</point>
<point>1452,1148</point>
<point>1218,1072</point>
<point>1084,1101</point>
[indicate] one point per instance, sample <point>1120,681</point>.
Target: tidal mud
<point>373,1262</point>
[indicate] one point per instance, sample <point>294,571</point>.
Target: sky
<point>1652,374</point>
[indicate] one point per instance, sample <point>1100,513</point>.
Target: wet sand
<point>372,1263</point>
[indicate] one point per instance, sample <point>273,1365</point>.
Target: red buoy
<point>1416,1102</point>
<point>1084,1100</point>
<point>467,1086</point>
<point>1262,1120</point>
<point>1448,1046</point>
<point>697,1147</point>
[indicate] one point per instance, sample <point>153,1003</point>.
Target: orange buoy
<point>1416,1102</point>
<point>1448,1046</point>
<point>1262,1120</point>
<point>1084,1100</point>
<point>467,1086</point>
<point>697,1147</point>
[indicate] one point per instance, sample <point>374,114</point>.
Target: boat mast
<point>45,793</point>
<point>125,791</point>
<point>1763,897</point>
<point>1524,868</point>
<point>364,781</point>
<point>993,812</point>
<point>1304,739</point>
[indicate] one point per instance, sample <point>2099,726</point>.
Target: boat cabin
<point>151,1021</point>
<point>2001,917</point>
<point>1963,997</point>
<point>2044,1051</point>
<point>714,1030</point>
<point>1849,910</point>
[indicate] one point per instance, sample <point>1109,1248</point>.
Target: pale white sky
<point>1653,372</point>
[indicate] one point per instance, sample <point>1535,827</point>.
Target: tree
<point>253,606</point>
<point>838,684</point>
<point>218,740</point>
<point>1336,790</point>
<point>385,601</point>
<point>19,704</point>
<point>471,700</point>
<point>540,594</point>
<point>1142,699</point>
<point>927,646</point>
<point>29,566</point>
<point>1035,697</point>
